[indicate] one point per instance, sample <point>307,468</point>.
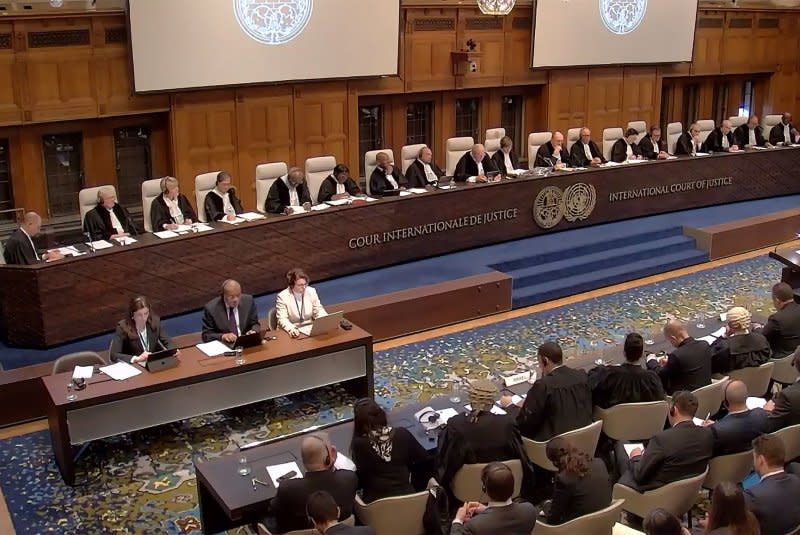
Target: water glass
<point>239,356</point>
<point>244,467</point>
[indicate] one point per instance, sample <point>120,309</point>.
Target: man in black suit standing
<point>679,452</point>
<point>782,330</point>
<point>689,143</point>
<point>629,382</point>
<point>784,408</point>
<point>423,171</point>
<point>774,500</point>
<point>20,249</point>
<point>559,401</point>
<point>474,166</point>
<point>229,315</point>
<point>735,432</point>
<point>784,133</point>
<point>749,134</point>
<point>686,368</point>
<point>585,152</point>
<point>323,511</point>
<point>720,139</point>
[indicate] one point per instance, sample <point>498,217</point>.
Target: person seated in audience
<point>385,176</point>
<point>739,348</point>
<point>774,500</point>
<point>689,143</point>
<point>474,166</point>
<point>139,334</point>
<point>324,513</point>
<point>734,432</point>
<point>553,153</point>
<point>679,452</point>
<point>221,202</point>
<point>478,436</point>
<point>686,368</point>
<point>582,485</point>
<point>652,146</point>
<point>171,208</point>
<point>629,382</point>
<point>288,193</point>
<point>721,139</point>
<point>298,303</point>
<point>505,159</point>
<point>384,456</point>
<point>585,152</point>
<point>500,515</point>
<point>287,510</point>
<point>784,408</point>
<point>559,401</point>
<point>337,185</point>
<point>662,522</point>
<point>108,219</point>
<point>782,329</point>
<point>229,315</point>
<point>749,134</point>
<point>625,148</point>
<point>784,133</point>
<point>729,514</point>
<point>423,171</point>
<point>20,249</point>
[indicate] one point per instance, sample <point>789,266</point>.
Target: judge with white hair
<point>108,219</point>
<point>740,347</point>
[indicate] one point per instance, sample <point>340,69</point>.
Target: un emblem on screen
<point>622,16</point>
<point>273,22</point>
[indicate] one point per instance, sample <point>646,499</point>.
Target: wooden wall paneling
<point>396,127</point>
<point>705,104</point>
<point>489,36</point>
<point>10,108</point>
<point>99,159</point>
<point>517,50</point>
<point>353,154</point>
<point>493,107</point>
<point>567,98</point>
<point>604,102</point>
<point>738,42</point>
<point>640,100</point>
<point>763,52</point>
<point>321,122</point>
<point>534,114</point>
<point>160,151</point>
<point>429,38</point>
<point>22,185</point>
<point>708,43</point>
<point>29,186</point>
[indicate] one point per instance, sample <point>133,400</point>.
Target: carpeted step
<point>594,279</point>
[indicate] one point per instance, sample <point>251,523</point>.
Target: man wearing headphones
<point>500,514</point>
<point>108,219</point>
<point>171,208</point>
<point>229,315</point>
<point>735,432</point>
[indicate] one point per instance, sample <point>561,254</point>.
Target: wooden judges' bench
<point>49,304</point>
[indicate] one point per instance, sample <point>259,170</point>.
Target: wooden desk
<point>201,385</point>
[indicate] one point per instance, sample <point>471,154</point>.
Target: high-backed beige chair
<point>584,439</point>
<point>573,135</point>
<point>756,379</point>
<point>769,122</point>
<point>639,126</point>
<point>466,484</point>
<point>398,514</point>
<point>493,137</point>
<point>536,140</point>
<point>495,133</point>
<point>791,440</point>
<point>317,169</point>
<point>733,467</point>
<point>674,131</point>
<point>203,183</point>
<point>262,529</point>
<point>266,175</point>
<point>87,199</point>
<point>784,371</point>
<point>710,397</point>
<point>737,121</point>
<point>611,136</point>
<point>455,147</point>
<point>370,163</point>
<point>633,421</point>
<point>598,523</point>
<point>150,190</point>
<point>677,497</point>
<point>408,154</point>
<point>706,127</point>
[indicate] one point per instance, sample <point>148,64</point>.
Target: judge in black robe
<point>619,151</point>
<point>689,143</point>
<point>499,157</point>
<point>627,383</point>
<point>379,179</point>
<point>416,174</point>
<point>467,166</point>
<point>340,177</point>
<point>578,151</point>
<point>97,221</point>
<point>742,134</point>
<point>160,215</point>
<point>777,133</point>
<point>713,142</point>
<point>214,203</point>
<point>652,145</point>
<point>278,196</point>
<point>553,153</point>
<point>20,248</point>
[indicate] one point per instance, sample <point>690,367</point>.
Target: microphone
<point>549,162</point>
<point>89,241</point>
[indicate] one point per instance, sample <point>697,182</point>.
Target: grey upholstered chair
<point>81,358</point>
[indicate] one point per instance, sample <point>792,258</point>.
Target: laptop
<point>249,340</point>
<point>323,324</point>
<point>162,360</point>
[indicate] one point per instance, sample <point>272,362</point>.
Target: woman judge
<point>139,334</point>
<point>298,303</point>
<point>171,208</point>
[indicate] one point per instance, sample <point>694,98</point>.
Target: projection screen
<point>181,44</point>
<point>603,32</point>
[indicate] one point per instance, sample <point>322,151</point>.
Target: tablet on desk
<point>323,324</point>
<point>249,339</point>
<point>162,360</point>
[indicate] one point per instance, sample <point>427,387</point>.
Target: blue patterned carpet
<point>144,482</point>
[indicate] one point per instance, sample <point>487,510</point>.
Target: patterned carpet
<point>144,482</point>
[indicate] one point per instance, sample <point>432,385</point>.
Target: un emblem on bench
<point>273,22</point>
<point>576,203</point>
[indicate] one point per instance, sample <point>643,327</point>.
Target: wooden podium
<point>789,257</point>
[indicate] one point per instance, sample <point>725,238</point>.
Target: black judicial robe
<point>776,134</point>
<point>18,249</point>
<point>215,207</point>
<point>546,152</point>
<point>98,222</point>
<point>619,152</point>
<point>466,167</point>
<point>378,183</point>
<point>713,142</point>
<point>578,154</point>
<point>278,196</point>
<point>415,174</point>
<point>650,149</point>
<point>739,351</point>
<point>160,216</point>
<point>742,136</point>
<point>684,145</point>
<point>328,188</point>
<point>626,383</point>
<point>499,160</point>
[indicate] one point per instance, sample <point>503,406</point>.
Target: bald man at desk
<point>20,249</point>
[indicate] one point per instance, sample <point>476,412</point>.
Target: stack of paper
<point>125,240</point>
<point>99,245</point>
<point>82,372</point>
<point>164,234</point>
<point>235,221</point>
<point>370,199</point>
<point>276,471</point>
<point>251,216</point>
<point>636,161</point>
<point>418,190</point>
<point>69,251</point>
<point>339,202</point>
<point>630,447</point>
<point>120,371</point>
<point>213,348</point>
<point>202,227</point>
<point>756,403</point>
<point>319,207</point>
<point>405,193</point>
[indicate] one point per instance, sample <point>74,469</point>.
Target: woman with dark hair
<point>582,485</point>
<point>338,185</point>
<point>729,514</point>
<point>383,455</point>
<point>662,522</point>
<point>139,334</point>
<point>298,304</point>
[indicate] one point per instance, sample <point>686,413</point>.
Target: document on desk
<point>100,245</point>
<point>119,371</point>
<point>446,414</point>
<point>405,193</point>
<point>319,207</point>
<point>235,221</point>
<point>83,372</point>
<point>755,403</point>
<point>343,462</point>
<point>125,240</point>
<point>165,234</point>
<point>213,348</point>
<point>338,202</point>
<point>277,471</point>
<point>251,216</point>
<point>495,409</point>
<point>202,227</point>
<point>630,447</point>
<point>370,199</point>
<point>636,161</point>
<point>698,422</point>
<point>418,190</point>
<point>701,154</point>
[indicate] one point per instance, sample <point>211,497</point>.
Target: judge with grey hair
<point>108,219</point>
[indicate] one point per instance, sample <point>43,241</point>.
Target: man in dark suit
<point>385,176</point>
<point>686,368</point>
<point>221,202</point>
<point>585,152</point>
<point>774,500</point>
<point>784,133</point>
<point>784,408</point>
<point>553,153</point>
<point>474,166</point>
<point>689,143</point>
<point>20,249</point>
<point>337,185</point>
<point>288,507</point>
<point>749,134</point>
<point>108,219</point>
<point>679,452</point>
<point>559,401</point>
<point>500,515</point>
<point>736,430</point>
<point>230,315</point>
<point>782,330</point>
<point>287,193</point>
<point>625,148</point>
<point>423,171</point>
<point>652,146</point>
<point>720,139</point>
<point>505,159</point>
<point>323,511</point>
<point>629,382</point>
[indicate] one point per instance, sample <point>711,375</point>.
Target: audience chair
<point>573,135</point>
<point>87,199</point>
<point>737,121</point>
<point>734,467</point>
<point>266,175</point>
<point>396,514</point>
<point>639,126</point>
<point>150,190</point>
<point>706,127</point>
<point>769,122</point>
<point>677,497</point>
<point>455,148</point>
<point>784,372</point>
<point>536,140</point>
<point>633,421</point>
<point>790,436</point>
<point>710,397</point>
<point>318,169</point>
<point>262,529</point>
<point>674,131</point>
<point>756,378</point>
<point>584,439</point>
<point>601,522</point>
<point>466,485</point>
<point>611,136</point>
<point>408,154</point>
<point>272,319</point>
<point>370,163</point>
<point>203,183</point>
<point>81,358</point>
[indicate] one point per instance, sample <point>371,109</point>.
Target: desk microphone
<point>89,242</point>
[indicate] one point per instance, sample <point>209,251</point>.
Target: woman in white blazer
<point>298,303</point>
